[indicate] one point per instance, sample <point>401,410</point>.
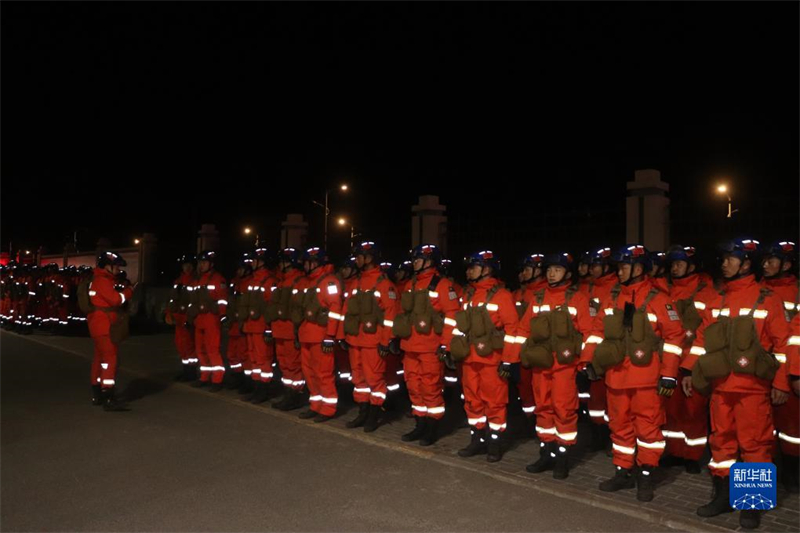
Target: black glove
<point>343,345</point>
<point>383,351</point>
<point>666,386</point>
<point>591,373</point>
<point>448,361</point>
<point>268,338</point>
<point>507,371</point>
<point>582,381</point>
<point>442,353</point>
<point>394,346</point>
<point>328,345</point>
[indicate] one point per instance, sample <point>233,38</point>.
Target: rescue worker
<point>778,262</point>
<point>583,268</point>
<point>103,315</point>
<point>177,308</point>
<point>348,274</point>
<point>485,345</point>
<point>425,326</point>
<point>552,333</point>
<point>532,280</point>
<point>259,288</point>
<point>686,430</point>
<point>742,376</point>
<point>284,332</point>
<point>658,269</point>
<point>368,317</point>
<point>318,320</point>
<point>630,330</point>
<point>603,277</point>
<point>452,373</point>
<point>206,311</point>
<point>236,313</point>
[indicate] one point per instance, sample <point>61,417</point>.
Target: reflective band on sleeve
<point>594,339</point>
<point>789,306</point>
<point>623,449</point>
<point>520,340</point>
<point>92,293</point>
<point>787,438</point>
<point>211,287</point>
<point>335,316</point>
<point>652,317</point>
<point>671,348</point>
<point>377,294</point>
<point>699,305</point>
<point>528,410</point>
<point>420,408</point>
<point>697,350</point>
<point>722,465</point>
<point>433,294</point>
<point>696,442</point>
<point>450,322</point>
<point>794,340</point>
<point>451,379</point>
<point>366,390</point>
<point>510,339</point>
<point>380,395</point>
<point>660,445</point>
<point>780,357</point>
<point>222,302</point>
<point>609,312</point>
<point>457,332</point>
<point>760,313</point>
<point>108,382</point>
<point>496,427</point>
<point>388,323</point>
<point>435,410</point>
<point>492,307</point>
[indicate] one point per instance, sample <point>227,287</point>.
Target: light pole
<point>343,188</point>
<point>723,189</point>
<point>248,231</point>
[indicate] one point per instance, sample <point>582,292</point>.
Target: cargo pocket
<point>402,326</point>
<point>536,355</point>
<point>459,348</point>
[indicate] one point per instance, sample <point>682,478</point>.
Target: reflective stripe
<point>457,332</point>
<point>256,371</point>
<point>594,339</point>
<point>671,348</point>
<point>92,293</point>
<point>623,449</point>
<point>401,372</point>
<point>780,357</point>
<point>450,322</point>
<point>222,302</point>
<point>238,365</point>
<point>609,312</point>
<point>673,434</point>
<point>332,289</point>
<point>344,375</point>
<point>699,305</point>
<point>696,442</point>
<point>544,308</point>
<point>286,381</point>
<point>573,311</point>
<point>451,379</point>
<point>787,438</point>
<point>660,445</point>
<point>510,339</point>
<point>794,340</point>
<point>597,414</point>
<point>268,375</point>
<point>789,306</point>
<point>492,307</point>
<point>433,294</point>
<point>104,366</point>
<point>584,395</point>
<point>108,382</point>
<point>377,294</point>
<point>392,388</point>
<point>186,361</point>
<point>365,391</point>
<point>388,323</point>
<point>520,340</point>
<point>496,427</point>
<point>435,410</point>
<point>474,421</point>
<point>545,431</point>
<point>567,436</point>
<point>652,317</point>
<point>211,287</point>
<point>419,408</point>
<point>206,368</point>
<point>380,395</point>
<point>316,398</point>
<point>335,316</point>
<point>248,372</point>
<point>697,350</point>
<point>330,400</point>
<point>528,410</point>
<point>723,464</point>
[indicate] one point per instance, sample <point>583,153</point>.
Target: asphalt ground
<point>187,460</point>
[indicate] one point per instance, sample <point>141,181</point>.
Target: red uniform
<point>452,377</point>
<point>686,429</point>
<point>283,331</point>
<point>522,299</point>
<point>368,368</point>
<point>741,414</point>
<point>317,365</point>
<point>342,357</point>
<point>485,392</point>
<point>260,355</point>
<point>106,299</point>
<point>184,339</point>
<point>423,372</point>
<point>555,388</point>
<point>635,410</point>
<point>787,416</point>
<point>236,352</point>
<point>207,325</point>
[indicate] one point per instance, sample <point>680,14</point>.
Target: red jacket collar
<point>783,281</point>
<point>739,284</point>
<point>324,270</point>
<point>485,284</point>
<point>103,273</point>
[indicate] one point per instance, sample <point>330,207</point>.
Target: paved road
<point>187,461</point>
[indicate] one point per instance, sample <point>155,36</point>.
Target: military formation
<point>665,360</point>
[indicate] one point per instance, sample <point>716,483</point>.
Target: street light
<point>248,231</point>
<point>723,189</point>
<point>136,241</point>
<point>344,188</point>
<point>343,222</point>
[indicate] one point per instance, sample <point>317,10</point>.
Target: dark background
<point>527,119</point>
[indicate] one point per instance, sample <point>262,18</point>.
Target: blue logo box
<point>753,486</point>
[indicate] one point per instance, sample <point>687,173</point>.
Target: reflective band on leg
<point>567,436</point>
<point>392,388</point>
<point>475,421</point>
<point>497,427</point>
<point>597,414</point>
<point>435,410</point>
<point>317,398</point>
<point>696,442</point>
<point>788,438</point>
<point>623,449</point>
<point>660,445</point>
<point>366,390</point>
<point>109,382</point>
<point>545,431</point>
<point>722,464</point>
<point>330,400</point>
<point>673,434</point>
<point>419,408</point>
<point>380,395</point>
<point>528,410</point>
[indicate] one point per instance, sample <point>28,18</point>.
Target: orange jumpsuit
<point>184,339</point>
<point>207,327</point>
<point>283,331</point>
<point>236,352</point>
<point>260,355</point>
<point>343,364</point>
<point>522,299</point>
<point>106,299</point>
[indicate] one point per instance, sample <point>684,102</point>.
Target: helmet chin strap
<point>557,284</point>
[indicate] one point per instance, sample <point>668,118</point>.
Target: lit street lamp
<point>248,231</point>
<point>343,222</point>
<point>136,241</point>
<point>723,189</point>
<point>343,188</point>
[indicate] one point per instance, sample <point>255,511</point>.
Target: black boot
<point>750,518</point>
<point>418,431</point>
<point>430,436</point>
<point>246,386</point>
<point>477,443</point>
<point>547,458</point>
<point>308,413</point>
<point>373,418</point>
<point>561,467</point>
<point>234,380</point>
<point>645,486</point>
<point>110,402</point>
<point>255,389</point>
<point>791,472</point>
<point>189,373</point>
<point>215,387</point>
<point>97,395</point>
<point>692,467</point>
<point>261,394</point>
<point>322,418</point>
<point>359,420</point>
<point>720,497</point>
<point>622,480</point>
<point>292,400</point>
<point>494,452</point>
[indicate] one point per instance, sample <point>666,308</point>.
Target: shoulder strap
<point>494,290</point>
<point>434,283</point>
<point>762,295</point>
<point>615,293</point>
<point>469,292</point>
<point>700,287</point>
<point>570,293</point>
<point>650,295</point>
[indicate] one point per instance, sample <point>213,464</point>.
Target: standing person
<point>177,308</point>
<point>686,429</point>
<point>209,302</point>
<point>284,331</point>
<point>779,261</point>
<point>260,287</point>
<point>425,327</point>
<point>236,352</point>
<point>553,330</point>
<point>742,375</point>
<point>321,313</point>
<point>639,339</point>
<point>368,319</point>
<point>102,303</point>
<point>348,274</point>
<point>531,280</point>
<point>485,344</point>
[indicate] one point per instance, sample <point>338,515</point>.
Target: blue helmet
<point>531,260</point>
<point>367,248</point>
<point>601,256</point>
<point>289,255</point>
<point>483,258</point>
<point>110,258</point>
<point>427,251</point>
<point>681,253</point>
<point>562,259</point>
<point>739,248</point>
<point>632,254</point>
<point>783,250</point>
<point>315,253</point>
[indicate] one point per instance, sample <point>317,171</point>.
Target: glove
<point>442,353</point>
<point>582,381</point>
<point>666,386</point>
<point>448,362</point>
<point>394,346</point>
<point>508,372</point>
<point>268,336</point>
<point>383,351</point>
<point>223,319</point>
<point>343,345</point>
<point>591,373</point>
<point>328,345</point>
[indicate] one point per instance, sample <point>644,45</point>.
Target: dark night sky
<point>129,117</point>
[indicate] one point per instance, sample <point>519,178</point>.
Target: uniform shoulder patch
<point>333,288</point>
<point>673,314</point>
<point>392,294</point>
<point>451,293</point>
